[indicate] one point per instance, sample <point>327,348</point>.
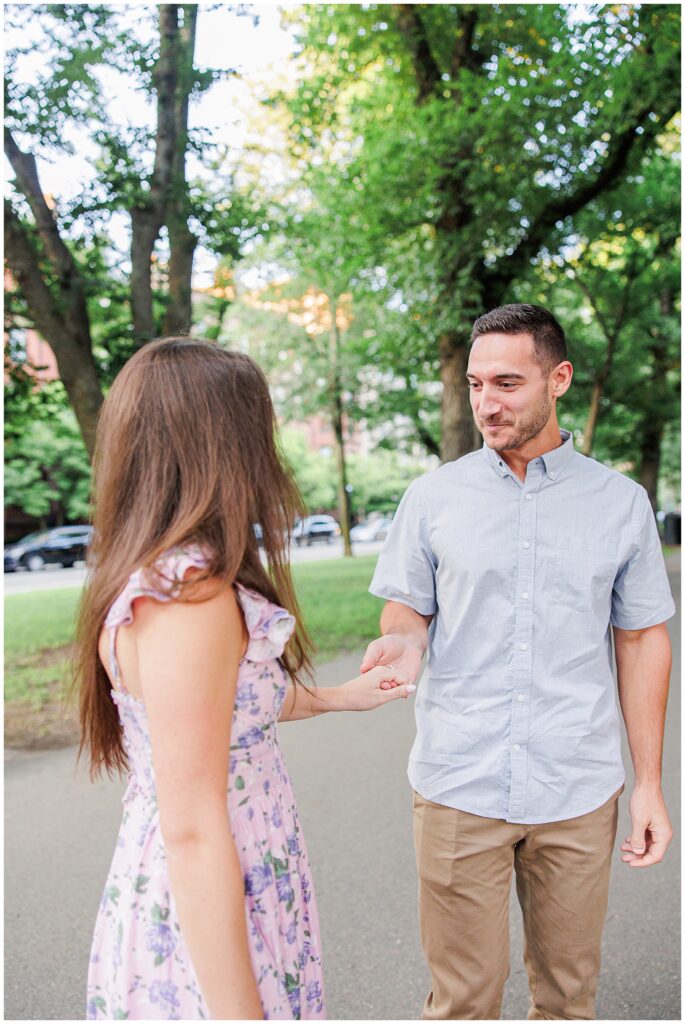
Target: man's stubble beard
<point>535,421</point>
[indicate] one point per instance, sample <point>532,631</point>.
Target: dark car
<point>313,528</point>
<point>62,546</point>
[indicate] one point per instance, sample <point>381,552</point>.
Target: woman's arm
<point>188,655</point>
<point>360,694</point>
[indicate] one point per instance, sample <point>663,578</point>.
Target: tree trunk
<point>63,323</point>
<point>592,417</point>
<point>597,392</point>
<point>213,332</point>
<point>455,414</point>
<point>335,391</point>
<point>456,215</point>
<point>424,436</point>
<point>655,418</point>
<point>182,241</point>
<point>178,317</point>
<point>650,457</point>
<point>148,217</point>
<point>145,228</point>
<point>343,492</point>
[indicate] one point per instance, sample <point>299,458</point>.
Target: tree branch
<point>69,341</point>
<point>26,171</point>
<point>25,270</point>
<point>611,331</point>
<point>425,437</point>
<point>464,56</point>
<point>559,207</point>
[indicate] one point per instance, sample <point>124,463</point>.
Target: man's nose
<point>489,404</point>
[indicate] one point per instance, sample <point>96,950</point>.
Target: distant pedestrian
<point>189,654</point>
<point>512,566</point>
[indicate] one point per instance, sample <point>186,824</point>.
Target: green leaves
<point>449,150</point>
<point>46,460</point>
<point>113,893</point>
<point>160,914</point>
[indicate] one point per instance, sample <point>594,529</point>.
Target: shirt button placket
<point>523,652</point>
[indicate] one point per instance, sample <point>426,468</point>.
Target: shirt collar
<point>553,461</point>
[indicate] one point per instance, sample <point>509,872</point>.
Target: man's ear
<point>561,377</point>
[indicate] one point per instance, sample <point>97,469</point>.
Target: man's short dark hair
<point>522,318</point>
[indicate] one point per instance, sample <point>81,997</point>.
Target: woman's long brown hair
<point>186,452</point>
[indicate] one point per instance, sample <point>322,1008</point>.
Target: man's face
<point>510,397</point>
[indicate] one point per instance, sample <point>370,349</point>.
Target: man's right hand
<point>401,650</point>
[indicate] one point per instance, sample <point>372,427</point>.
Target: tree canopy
<point>419,165</point>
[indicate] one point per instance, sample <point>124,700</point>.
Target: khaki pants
<point>562,880</point>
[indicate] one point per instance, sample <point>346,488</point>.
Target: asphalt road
<point>54,577</point>
<point>349,775</point>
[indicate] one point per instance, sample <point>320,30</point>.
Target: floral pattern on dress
<point>139,964</point>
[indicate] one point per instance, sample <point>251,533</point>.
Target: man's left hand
<point>651,826</point>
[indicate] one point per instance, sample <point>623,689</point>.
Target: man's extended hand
<point>403,651</point>
<point>651,826</point>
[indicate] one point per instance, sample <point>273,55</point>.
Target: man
<point>510,565</point>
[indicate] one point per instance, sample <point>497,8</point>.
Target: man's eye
<point>508,384</point>
<point>472,383</point>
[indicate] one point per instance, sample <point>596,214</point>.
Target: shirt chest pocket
<point>583,573</point>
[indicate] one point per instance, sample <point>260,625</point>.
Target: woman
<point>187,658</point>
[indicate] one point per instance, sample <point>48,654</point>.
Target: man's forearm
<point>643,661</point>
<point>402,620</point>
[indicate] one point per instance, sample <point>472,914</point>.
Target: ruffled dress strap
<point>268,625</point>
<point>160,581</point>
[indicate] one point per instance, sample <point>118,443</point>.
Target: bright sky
<point>225,40</point>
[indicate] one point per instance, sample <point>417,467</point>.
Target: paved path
<point>349,775</point>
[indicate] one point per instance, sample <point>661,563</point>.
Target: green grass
<point>337,608</point>
<point>338,611</point>
<point>39,627</point>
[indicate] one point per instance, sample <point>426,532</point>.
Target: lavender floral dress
<point>139,964</point>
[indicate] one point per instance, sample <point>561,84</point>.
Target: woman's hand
<point>377,686</point>
<point>364,692</point>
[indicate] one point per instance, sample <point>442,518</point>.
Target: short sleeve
<point>268,625</point>
<point>642,596</point>
<point>405,570</point>
<point>160,581</point>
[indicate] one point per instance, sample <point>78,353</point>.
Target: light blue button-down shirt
<point>516,713</point>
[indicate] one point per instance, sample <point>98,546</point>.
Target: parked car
<point>64,545</point>
<point>374,529</point>
<point>313,528</point>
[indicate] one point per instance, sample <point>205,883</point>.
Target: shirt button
<point>524,595</point>
<point>551,475</point>
<point>529,497</point>
<point>519,696</point>
<point>526,544</point>
<point>523,646</point>
<point>517,746</point>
